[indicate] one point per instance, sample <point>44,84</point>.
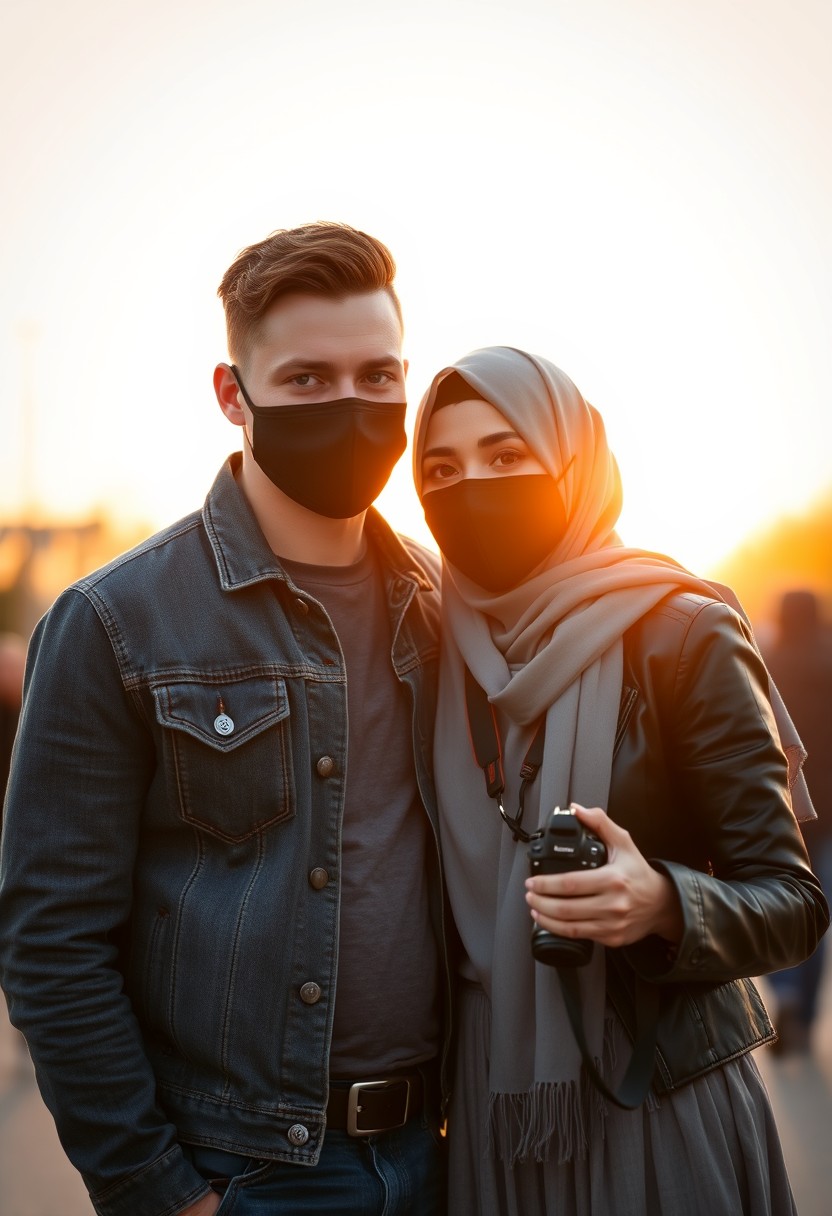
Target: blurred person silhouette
<point>800,660</point>
<point>12,666</point>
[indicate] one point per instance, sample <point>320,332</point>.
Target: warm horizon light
<point>637,192</point>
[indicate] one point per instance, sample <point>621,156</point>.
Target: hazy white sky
<point>640,190</point>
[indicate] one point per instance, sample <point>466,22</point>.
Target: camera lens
<point>560,951</point>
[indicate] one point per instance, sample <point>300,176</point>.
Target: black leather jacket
<point>700,783</point>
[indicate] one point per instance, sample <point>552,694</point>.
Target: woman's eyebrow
<point>488,441</point>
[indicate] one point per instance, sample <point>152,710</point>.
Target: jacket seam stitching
<point>232,976</point>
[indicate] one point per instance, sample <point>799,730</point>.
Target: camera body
<point>564,845</point>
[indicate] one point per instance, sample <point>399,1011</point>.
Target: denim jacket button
<point>318,878</point>
<point>223,725</point>
<point>298,1134</point>
<point>310,993</point>
<point>325,766</point>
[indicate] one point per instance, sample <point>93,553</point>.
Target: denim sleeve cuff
<point>163,1188</point>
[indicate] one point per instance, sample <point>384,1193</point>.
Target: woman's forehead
<point>465,422</point>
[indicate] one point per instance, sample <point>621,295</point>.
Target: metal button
<point>318,878</point>
<point>310,993</point>
<point>325,766</point>
<point>302,606</point>
<point>223,725</point>
<point>298,1134</point>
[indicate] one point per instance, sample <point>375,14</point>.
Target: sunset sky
<point>640,190</point>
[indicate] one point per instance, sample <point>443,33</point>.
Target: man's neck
<point>295,532</point>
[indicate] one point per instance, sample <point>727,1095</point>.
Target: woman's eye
<point>440,472</point>
<point>505,458</point>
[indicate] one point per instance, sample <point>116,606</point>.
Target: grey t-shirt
<point>386,1004</point>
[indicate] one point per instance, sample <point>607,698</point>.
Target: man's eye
<point>303,380</point>
<point>379,378</point>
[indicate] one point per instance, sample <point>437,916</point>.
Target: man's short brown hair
<point>317,259</point>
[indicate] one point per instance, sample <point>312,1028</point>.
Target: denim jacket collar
<point>243,555</point>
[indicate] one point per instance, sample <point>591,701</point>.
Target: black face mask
<point>496,530</point>
<point>332,457</point>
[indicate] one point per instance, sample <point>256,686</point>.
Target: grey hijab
<point>550,648</point>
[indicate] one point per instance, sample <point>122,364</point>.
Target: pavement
<point>36,1179</point>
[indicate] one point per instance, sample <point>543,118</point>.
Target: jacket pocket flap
<point>223,716</point>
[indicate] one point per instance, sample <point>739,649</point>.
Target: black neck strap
<point>488,750</point>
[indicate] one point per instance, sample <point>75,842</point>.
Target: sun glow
<point>634,193</point>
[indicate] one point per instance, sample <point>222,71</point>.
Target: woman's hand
<point>617,904</point>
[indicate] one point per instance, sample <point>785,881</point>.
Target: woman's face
<point>472,439</point>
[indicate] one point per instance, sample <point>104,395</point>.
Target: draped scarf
<point>548,649</point>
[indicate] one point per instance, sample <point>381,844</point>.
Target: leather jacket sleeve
<point>727,839</point>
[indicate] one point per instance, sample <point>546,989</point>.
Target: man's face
<point>313,348</point>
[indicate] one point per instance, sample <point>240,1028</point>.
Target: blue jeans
<point>400,1173</point>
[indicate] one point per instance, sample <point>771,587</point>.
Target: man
<point>220,903</point>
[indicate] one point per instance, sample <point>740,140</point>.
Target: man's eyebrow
<point>327,365</point>
<point>381,361</point>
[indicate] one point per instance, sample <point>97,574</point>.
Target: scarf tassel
<point>556,1116</point>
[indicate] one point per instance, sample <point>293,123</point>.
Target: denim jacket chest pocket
<point>228,751</point>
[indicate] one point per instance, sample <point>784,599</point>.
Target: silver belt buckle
<point>354,1106</point>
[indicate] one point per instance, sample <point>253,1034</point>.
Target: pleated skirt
<point>708,1149</point>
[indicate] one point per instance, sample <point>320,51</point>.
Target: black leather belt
<point>369,1108</point>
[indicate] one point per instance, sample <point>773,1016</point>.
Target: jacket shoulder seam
<point>158,541</point>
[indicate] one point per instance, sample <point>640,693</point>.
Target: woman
<point>655,723</point>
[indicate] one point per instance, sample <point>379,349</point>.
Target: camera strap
<point>488,750</point>
<point>635,1083</point>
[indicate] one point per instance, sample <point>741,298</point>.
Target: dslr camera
<point>565,844</point>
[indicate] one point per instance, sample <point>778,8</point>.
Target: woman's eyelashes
<point>438,472</point>
<point>507,457</point>
<point>484,465</point>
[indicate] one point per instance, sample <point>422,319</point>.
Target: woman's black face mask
<point>497,530</point>
<point>332,457</point>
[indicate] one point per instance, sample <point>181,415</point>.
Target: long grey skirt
<point>708,1149</point>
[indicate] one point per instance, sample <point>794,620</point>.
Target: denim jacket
<point>171,852</point>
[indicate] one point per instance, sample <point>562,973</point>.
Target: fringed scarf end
<point>554,1118</point>
<point>551,1118</point>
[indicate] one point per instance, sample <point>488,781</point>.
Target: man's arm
<point>82,764</point>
